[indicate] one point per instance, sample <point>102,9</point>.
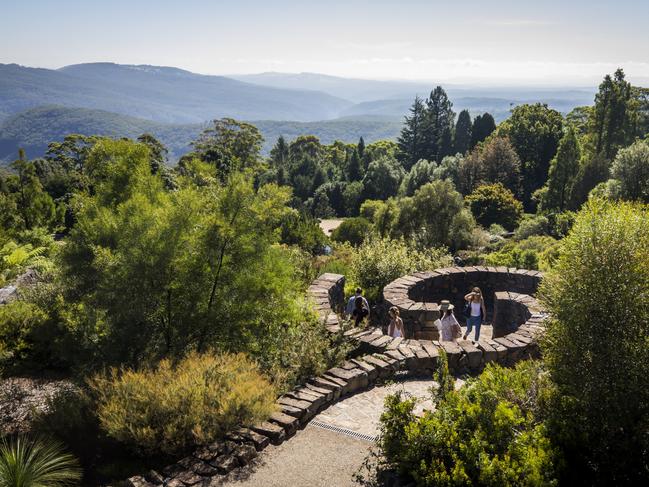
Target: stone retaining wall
<point>511,310</point>
<point>381,358</point>
<point>328,295</point>
<point>417,295</point>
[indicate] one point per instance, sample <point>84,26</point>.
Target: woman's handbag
<point>466,311</point>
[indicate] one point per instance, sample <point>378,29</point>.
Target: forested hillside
<point>34,129</point>
<point>158,93</point>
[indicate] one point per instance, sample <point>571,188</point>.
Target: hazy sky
<point>542,41</point>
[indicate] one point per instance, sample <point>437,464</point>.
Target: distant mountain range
<point>41,105</point>
<point>157,93</point>
<point>34,129</point>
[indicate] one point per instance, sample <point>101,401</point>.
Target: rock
<point>356,379</point>
<point>225,463</point>
<point>328,393</point>
<point>275,433</point>
<point>138,481</point>
<point>289,423</point>
<point>155,478</point>
<point>189,478</point>
<point>474,354</point>
<point>259,441</point>
<point>308,409</point>
<point>371,370</point>
<point>205,470</point>
<point>245,454</point>
<point>172,470</point>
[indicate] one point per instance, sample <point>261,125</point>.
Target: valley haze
<point>39,105</point>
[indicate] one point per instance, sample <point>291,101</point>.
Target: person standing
<point>449,328</point>
<point>476,312</point>
<point>351,304</point>
<point>395,328</point>
<point>361,310</point>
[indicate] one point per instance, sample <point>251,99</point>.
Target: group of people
<point>474,312</point>
<point>449,328</point>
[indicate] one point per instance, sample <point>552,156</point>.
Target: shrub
<point>596,347</point>
<point>446,382</point>
<point>532,225</point>
<point>487,433</point>
<point>300,350</point>
<point>304,231</point>
<point>537,252</point>
<point>22,335</point>
<point>352,230</point>
<point>36,463</point>
<point>171,408</point>
<point>369,208</point>
<point>491,204</point>
<point>378,261</point>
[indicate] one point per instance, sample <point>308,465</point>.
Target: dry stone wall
<point>417,295</point>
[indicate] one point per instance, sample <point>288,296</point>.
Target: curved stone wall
<point>328,295</point>
<point>417,295</point>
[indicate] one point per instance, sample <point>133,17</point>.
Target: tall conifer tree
<point>462,142</point>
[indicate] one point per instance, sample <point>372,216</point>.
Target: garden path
<point>333,445</point>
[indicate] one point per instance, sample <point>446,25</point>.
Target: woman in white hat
<point>449,328</point>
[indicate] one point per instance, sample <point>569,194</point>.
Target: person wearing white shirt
<point>449,328</point>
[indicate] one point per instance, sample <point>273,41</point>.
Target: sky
<point>464,41</point>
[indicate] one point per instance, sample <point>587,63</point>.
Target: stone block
<point>189,478</point>
<point>258,441</point>
<point>474,354</point>
<point>308,409</point>
<point>384,368</point>
<point>424,361</point>
<point>225,463</point>
<point>245,453</point>
<point>205,469</point>
<point>273,432</point>
<point>327,393</point>
<point>139,481</point>
<point>356,379</point>
<point>289,423</point>
<point>372,371</point>
<point>489,353</point>
<point>322,382</point>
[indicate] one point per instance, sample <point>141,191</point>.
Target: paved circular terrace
<point>518,320</point>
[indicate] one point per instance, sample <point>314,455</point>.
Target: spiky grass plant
<point>36,462</point>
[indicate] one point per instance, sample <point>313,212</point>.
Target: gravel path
<point>318,457</point>
<point>314,457</point>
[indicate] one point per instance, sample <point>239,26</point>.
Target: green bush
<point>300,350</point>
<point>36,463</point>
<point>352,230</point>
<point>25,334</point>
<point>302,230</point>
<point>596,347</point>
<point>379,261</point>
<point>487,433</point>
<point>532,225</point>
<point>537,252</point>
<point>174,407</point>
<point>495,204</point>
